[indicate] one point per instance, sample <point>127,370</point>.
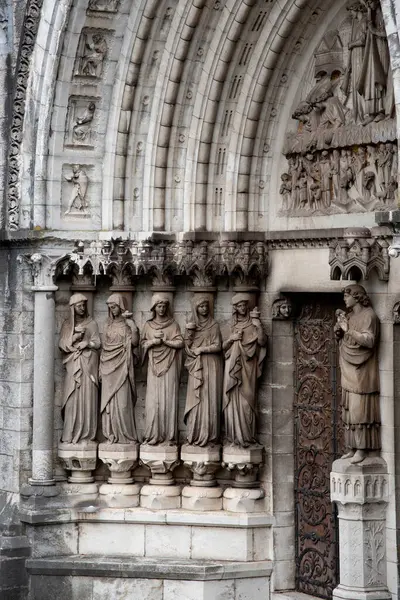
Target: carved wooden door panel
<point>318,442</point>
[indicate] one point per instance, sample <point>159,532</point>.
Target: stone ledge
<point>94,514</point>
<point>142,568</point>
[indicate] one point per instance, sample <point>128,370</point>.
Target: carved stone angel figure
<point>203,345</point>
<point>118,391</point>
<point>161,342</point>
<point>80,341</point>
<point>358,334</point>
<point>244,354</point>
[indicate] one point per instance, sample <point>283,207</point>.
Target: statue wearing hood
<point>80,342</point>
<point>162,343</point>
<point>244,354</point>
<point>203,345</point>
<point>118,390</point>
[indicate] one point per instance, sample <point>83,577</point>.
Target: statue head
<point>357,293</point>
<point>240,304</point>
<point>78,304</point>
<point>160,306</point>
<point>116,305</point>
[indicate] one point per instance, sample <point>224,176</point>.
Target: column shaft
<point>43,387</point>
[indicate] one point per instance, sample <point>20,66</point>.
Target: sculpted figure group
<point>211,389</point>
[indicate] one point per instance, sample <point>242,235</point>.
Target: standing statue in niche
<point>354,68</point>
<point>80,342</point>
<point>118,390</point>
<point>244,354</point>
<point>203,345</point>
<point>358,335</point>
<point>162,342</point>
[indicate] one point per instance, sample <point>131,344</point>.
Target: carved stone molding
<point>245,262</point>
<point>357,254</point>
<point>29,31</point>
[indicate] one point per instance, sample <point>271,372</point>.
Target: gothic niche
<point>343,156</point>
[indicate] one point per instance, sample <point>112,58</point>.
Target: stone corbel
<point>357,254</point>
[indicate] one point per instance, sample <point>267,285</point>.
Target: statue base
<point>244,463</point>
<point>120,495</point>
<point>361,494</point>
<point>204,462</point>
<point>202,499</point>
<point>120,459</point>
<point>160,496</point>
<point>79,494</point>
<point>243,500</point>
<point>161,460</point>
<point>80,459</point>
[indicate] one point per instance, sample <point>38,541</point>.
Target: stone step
<point>292,595</point>
<point>105,577</point>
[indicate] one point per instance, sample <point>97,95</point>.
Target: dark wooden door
<point>318,442</point>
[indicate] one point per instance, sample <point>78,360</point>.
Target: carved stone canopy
<point>357,254</point>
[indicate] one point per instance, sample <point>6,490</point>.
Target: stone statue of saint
<point>118,389</point>
<point>162,342</point>
<point>80,342</point>
<point>358,334</point>
<point>203,345</point>
<point>244,354</point>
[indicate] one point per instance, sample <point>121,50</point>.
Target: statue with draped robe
<point>203,346</point>
<point>80,342</point>
<point>118,390</point>
<point>244,354</point>
<point>358,333</point>
<point>162,342</point>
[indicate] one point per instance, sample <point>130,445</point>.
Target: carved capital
<point>357,255</point>
<point>44,269</point>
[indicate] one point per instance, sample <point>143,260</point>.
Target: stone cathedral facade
<point>187,188</point>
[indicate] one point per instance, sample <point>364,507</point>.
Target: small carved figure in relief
<point>103,5</point>
<point>80,342</point>
<point>162,342</point>
<point>286,190</point>
<point>83,128</point>
<point>93,57</point>
<point>78,201</point>
<point>350,83</point>
<point>244,354</point>
<point>203,345</point>
<point>118,389</point>
<point>358,333</point>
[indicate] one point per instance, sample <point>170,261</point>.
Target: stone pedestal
<point>161,491</point>
<point>203,493</point>
<point>244,463</point>
<point>361,494</point>
<point>80,459</point>
<point>120,489</point>
<point>243,500</point>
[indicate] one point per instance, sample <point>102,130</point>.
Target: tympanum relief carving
<point>343,156</point>
<point>79,131</point>
<point>91,54</point>
<point>76,202</point>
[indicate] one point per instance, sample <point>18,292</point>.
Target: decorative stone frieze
<point>357,254</point>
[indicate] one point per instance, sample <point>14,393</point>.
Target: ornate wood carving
<point>318,439</point>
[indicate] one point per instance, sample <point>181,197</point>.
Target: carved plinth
<point>80,459</point>
<point>201,498</point>
<point>244,463</point>
<point>161,460</point>
<point>203,462</point>
<point>120,459</point>
<point>361,494</point>
<point>160,497</point>
<point>243,500</point>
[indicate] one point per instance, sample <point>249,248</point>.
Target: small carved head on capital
<point>282,309</point>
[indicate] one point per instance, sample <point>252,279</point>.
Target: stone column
<point>361,495</point>
<point>43,270</point>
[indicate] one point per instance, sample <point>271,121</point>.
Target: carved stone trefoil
<point>357,254</point>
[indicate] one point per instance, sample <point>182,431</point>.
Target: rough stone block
<point>222,543</point>
<point>123,589</point>
<point>168,541</point>
<point>110,538</point>
<point>256,588</point>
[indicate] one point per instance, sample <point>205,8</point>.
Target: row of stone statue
<point>211,389</point>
